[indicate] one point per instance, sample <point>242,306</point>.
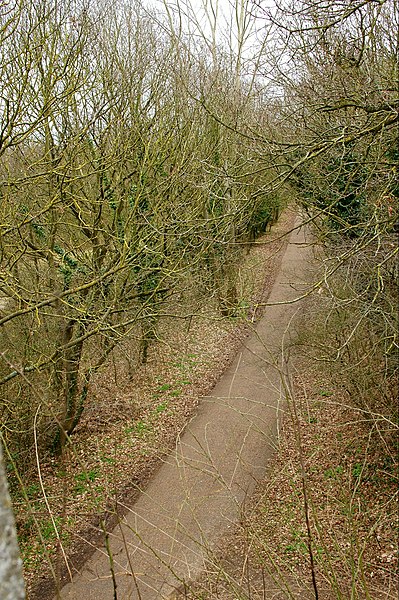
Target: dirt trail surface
<point>197,494</point>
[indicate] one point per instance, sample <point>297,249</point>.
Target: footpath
<point>172,531</point>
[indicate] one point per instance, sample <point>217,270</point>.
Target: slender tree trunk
<point>11,581</point>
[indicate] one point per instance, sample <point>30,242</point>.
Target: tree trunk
<point>11,581</point>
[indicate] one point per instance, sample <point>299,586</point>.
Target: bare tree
<point>340,82</point>
<point>118,186</point>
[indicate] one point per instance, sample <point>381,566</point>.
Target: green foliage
<point>298,544</point>
<point>165,387</point>
<point>84,480</point>
<point>334,472</point>
<point>337,185</point>
<point>161,407</point>
<point>87,475</point>
<point>357,470</point>
<point>265,212</point>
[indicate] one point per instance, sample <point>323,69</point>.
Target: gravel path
<point>197,494</point>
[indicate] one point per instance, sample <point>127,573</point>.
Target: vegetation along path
<point>165,539</point>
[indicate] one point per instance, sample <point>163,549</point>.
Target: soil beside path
<point>197,494</point>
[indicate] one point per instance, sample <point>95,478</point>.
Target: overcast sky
<point>223,19</point>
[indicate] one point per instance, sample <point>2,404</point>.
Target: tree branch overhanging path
<point>173,529</point>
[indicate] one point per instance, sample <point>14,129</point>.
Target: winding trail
<point>173,529</point>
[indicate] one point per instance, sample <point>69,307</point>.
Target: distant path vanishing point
<point>173,529</point>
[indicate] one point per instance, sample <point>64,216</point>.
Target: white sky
<point>222,21</point>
